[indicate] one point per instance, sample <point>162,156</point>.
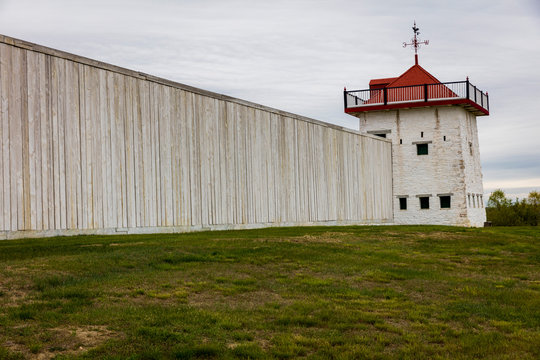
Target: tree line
<point>503,211</point>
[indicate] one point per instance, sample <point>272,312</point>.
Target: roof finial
<point>415,42</point>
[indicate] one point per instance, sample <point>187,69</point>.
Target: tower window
<point>421,134</point>
<point>402,203</point>
<point>444,138</point>
<point>424,202</point>
<point>445,202</point>
<point>400,141</point>
<point>421,149</point>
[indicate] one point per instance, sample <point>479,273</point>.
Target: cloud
<point>298,55</point>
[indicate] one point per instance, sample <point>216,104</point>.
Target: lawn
<point>372,292</point>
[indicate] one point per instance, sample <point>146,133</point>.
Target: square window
<point>424,202</point>
<point>421,149</point>
<point>403,203</point>
<point>445,202</point>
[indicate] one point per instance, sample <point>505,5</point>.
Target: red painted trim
<point>359,109</point>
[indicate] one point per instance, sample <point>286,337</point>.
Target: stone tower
<point>437,176</point>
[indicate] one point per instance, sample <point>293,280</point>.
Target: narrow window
<point>482,200</point>
<point>402,203</point>
<point>380,135</point>
<point>400,141</point>
<point>469,197</point>
<point>445,202</point>
<point>444,138</point>
<point>421,134</point>
<point>421,149</point>
<point>470,147</point>
<point>473,201</point>
<point>424,202</point>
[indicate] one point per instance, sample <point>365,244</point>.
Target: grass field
<point>408,292</point>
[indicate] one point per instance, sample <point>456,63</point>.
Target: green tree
<point>498,199</point>
<point>502,211</point>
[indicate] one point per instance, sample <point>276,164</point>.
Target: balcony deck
<point>461,93</point>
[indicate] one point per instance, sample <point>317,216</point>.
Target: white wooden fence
<point>87,147</point>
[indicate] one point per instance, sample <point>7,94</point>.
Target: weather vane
<point>415,42</point>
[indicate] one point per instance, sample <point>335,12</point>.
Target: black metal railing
<point>416,94</point>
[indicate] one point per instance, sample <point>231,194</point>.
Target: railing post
<point>475,91</point>
<point>385,96</point>
<point>467,90</point>
<point>345,98</point>
<point>425,92</point>
<point>487,101</point>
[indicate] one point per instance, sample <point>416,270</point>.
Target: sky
<point>298,55</point>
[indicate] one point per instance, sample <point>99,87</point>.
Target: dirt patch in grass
<point>249,300</point>
<point>127,243</point>
<point>326,237</point>
<point>63,341</point>
<point>437,235</point>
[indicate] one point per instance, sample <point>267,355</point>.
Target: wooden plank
<point>4,140</point>
<point>131,101</point>
<point>195,197</point>
<point>47,145</point>
<point>148,175</point>
<point>32,97</point>
<point>174,117</point>
<point>25,138</point>
<point>61,96</point>
<point>166,156</point>
<point>83,204</point>
<point>158,211</point>
<point>15,142</point>
<point>108,132</point>
<point>138,170</point>
<point>184,155</point>
<point>73,145</point>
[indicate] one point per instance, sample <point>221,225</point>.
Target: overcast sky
<point>297,55</point>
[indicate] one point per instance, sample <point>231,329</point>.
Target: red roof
<point>380,83</point>
<point>416,75</point>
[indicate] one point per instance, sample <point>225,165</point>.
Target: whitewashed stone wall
<point>87,147</point>
<point>449,168</point>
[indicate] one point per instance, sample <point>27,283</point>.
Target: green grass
<point>409,292</point>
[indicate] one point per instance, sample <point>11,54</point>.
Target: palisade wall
<point>87,147</point>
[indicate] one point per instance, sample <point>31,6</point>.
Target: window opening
<point>421,149</point>
<point>444,138</point>
<point>424,202</point>
<point>400,141</point>
<point>402,203</point>
<point>380,135</point>
<point>421,134</point>
<point>445,202</point>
